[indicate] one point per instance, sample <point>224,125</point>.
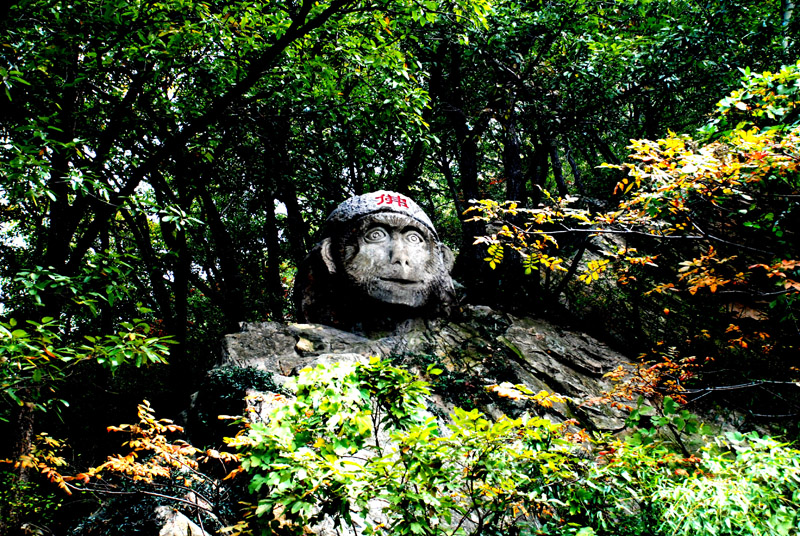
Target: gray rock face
<point>565,362</point>
<point>381,262</point>
<point>285,348</point>
<point>174,523</point>
<point>480,347</point>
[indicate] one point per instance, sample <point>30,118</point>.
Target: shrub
<point>357,447</point>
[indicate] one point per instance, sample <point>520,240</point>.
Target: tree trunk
<point>416,157</point>
<point>787,10</point>
<point>275,292</point>
<point>539,168</point>
<point>412,167</point>
<point>573,165</point>
<point>591,159</point>
<point>558,171</point>
<point>512,161</point>
<point>444,167</point>
<point>22,420</point>
<point>138,226</point>
<point>356,177</point>
<point>296,227</point>
<point>62,220</point>
<point>604,149</point>
<point>228,265</point>
<point>106,308</point>
<point>180,289</point>
<point>470,266</point>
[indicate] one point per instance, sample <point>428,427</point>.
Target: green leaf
<point>679,423</point>
<point>433,370</point>
<point>670,406</point>
<point>660,421</point>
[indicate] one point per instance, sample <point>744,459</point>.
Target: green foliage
<point>230,384</point>
<point>223,392</point>
<point>34,360</point>
<point>736,487</point>
<point>669,420</point>
<point>767,100</point>
<point>136,142</point>
<point>297,451</point>
<point>702,228</point>
<point>456,384</point>
<point>751,487</point>
<point>359,435</point>
<point>357,444</point>
<point>181,154</point>
<point>102,282</point>
<point>34,502</point>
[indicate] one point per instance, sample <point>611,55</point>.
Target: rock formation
<point>478,347</point>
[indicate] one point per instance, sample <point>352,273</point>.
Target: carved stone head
<point>380,262</point>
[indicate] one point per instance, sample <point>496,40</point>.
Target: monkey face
<point>392,258</point>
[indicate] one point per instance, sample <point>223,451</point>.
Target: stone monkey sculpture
<point>380,262</point>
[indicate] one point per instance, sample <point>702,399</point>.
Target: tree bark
<point>512,161</point>
<point>22,421</point>
<point>591,159</point>
<point>227,256</point>
<point>138,226</point>
<point>275,297</point>
<point>573,165</point>
<point>444,167</point>
<point>787,10</point>
<point>470,266</point>
<point>558,171</point>
<point>604,148</point>
<point>538,168</point>
<point>412,167</point>
<point>296,227</point>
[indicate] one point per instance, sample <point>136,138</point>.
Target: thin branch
<point>723,241</point>
<point>740,386</point>
<point>142,492</point>
<point>703,236</point>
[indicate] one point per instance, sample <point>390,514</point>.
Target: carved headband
<point>376,202</point>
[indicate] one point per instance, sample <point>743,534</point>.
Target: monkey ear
<point>447,257</point>
<point>325,253</point>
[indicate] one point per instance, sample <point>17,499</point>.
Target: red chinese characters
<point>388,199</point>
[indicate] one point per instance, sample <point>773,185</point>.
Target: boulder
<point>478,347</point>
<point>174,523</point>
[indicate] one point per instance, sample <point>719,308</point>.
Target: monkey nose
<point>399,255</point>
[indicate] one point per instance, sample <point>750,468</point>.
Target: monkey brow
<point>395,221</point>
<point>416,229</point>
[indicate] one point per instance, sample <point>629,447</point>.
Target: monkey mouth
<point>400,281</point>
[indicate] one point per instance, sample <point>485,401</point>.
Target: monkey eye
<point>376,234</point>
<point>414,237</point>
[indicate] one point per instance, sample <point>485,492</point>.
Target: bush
<point>32,502</point>
<point>357,446</point>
